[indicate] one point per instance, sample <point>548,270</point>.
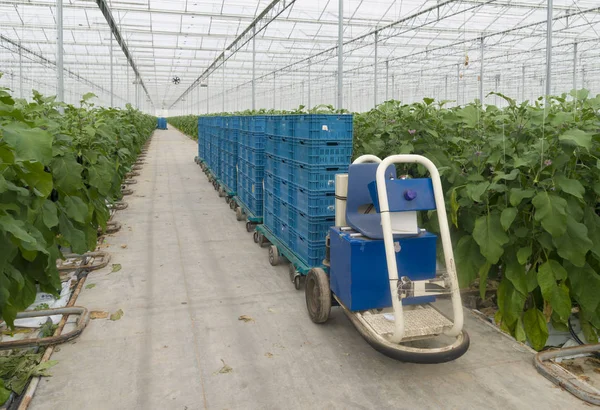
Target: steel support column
<point>112,90</point>
<point>375,71</point>
<point>340,70</point>
<point>481,74</point>
<point>60,83</point>
<point>254,68</point>
<point>575,66</point>
<point>549,49</point>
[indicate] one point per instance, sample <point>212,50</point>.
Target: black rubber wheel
<point>292,270</point>
<point>273,255</point>
<point>221,192</point>
<point>239,214</point>
<point>227,199</point>
<point>298,282</point>
<point>318,295</point>
<point>255,236</point>
<point>249,226</point>
<point>262,240</point>
<point>232,205</point>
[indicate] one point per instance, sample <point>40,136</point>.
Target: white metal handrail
<point>388,239</point>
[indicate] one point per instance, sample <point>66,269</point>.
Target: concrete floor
<point>190,270</point>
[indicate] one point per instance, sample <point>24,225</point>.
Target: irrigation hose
<point>577,339</point>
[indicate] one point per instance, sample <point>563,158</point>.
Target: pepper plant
<point>58,172</point>
<point>522,190</point>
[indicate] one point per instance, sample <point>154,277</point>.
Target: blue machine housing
<point>358,268</point>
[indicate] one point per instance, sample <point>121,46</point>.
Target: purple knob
<point>410,194</point>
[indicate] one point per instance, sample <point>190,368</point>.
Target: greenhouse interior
<point>299,204</point>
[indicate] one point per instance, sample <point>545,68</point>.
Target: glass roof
<point>427,48</point>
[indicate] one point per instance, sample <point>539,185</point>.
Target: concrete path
<point>189,270</point>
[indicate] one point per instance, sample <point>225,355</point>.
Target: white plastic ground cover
<point>52,302</point>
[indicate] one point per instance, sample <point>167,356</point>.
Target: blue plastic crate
<point>316,178</point>
<point>317,204</point>
<point>258,123</point>
<point>254,188</point>
<point>280,125</point>
<point>254,140</point>
<point>280,229</point>
<point>280,146</point>
<point>245,123</point>
<point>251,155</point>
<point>311,152</point>
<point>312,228</point>
<point>278,166</point>
<point>325,127</point>
<point>274,205</point>
<point>253,173</point>
<point>279,187</point>
<point>310,252</point>
<point>254,205</point>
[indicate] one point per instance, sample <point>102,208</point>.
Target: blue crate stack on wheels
<point>250,163</point>
<point>202,130</point>
<point>214,147</point>
<point>303,154</point>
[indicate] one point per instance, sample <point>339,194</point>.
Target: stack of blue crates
<point>303,153</point>
<point>250,162</point>
<point>231,128</point>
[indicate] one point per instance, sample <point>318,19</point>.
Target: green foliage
<point>17,368</point>
<point>57,174</point>
<point>188,124</point>
<point>522,190</point>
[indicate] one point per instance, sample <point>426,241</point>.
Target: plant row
<point>60,167</point>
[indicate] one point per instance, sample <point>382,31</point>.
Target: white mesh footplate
<point>418,322</point>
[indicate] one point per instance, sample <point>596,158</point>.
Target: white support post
<point>446,88</point>
<point>549,49</point>
<point>309,80</point>
<point>60,82</point>
<point>254,68</point>
<point>223,88</point>
<point>340,69</point>
<point>375,72</point>
<point>393,88</point>
<point>20,71</point>
<point>458,84</point>
<point>575,66</point>
<point>523,85</point>
<point>112,93</point>
<point>387,80</point>
<point>481,75</point>
<point>274,93</point>
<point>207,97</point>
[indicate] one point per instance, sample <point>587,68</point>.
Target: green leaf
<point>483,277</point>
<point>117,315</point>
<point>74,236</point>
<point>574,244</point>
<point>454,207</point>
<point>474,191</point>
<point>535,328</point>
<point>592,222</point>
<point>570,186</point>
<point>556,294</point>
<point>17,228</point>
<point>116,267</point>
<point>507,217</point>
<point>523,255</point>
<point>520,334</point>
<point>517,195</point>
<point>76,209</point>
<point>29,143</point>
<point>515,272</point>
<point>585,286</point>
<point>4,393</point>
<point>551,210</point>
<point>490,237</point>
<point>468,260</point>
<point>36,178</point>
<point>591,336</point>
<point>67,174</point>
<point>49,214</point>
<point>510,302</point>
<point>577,137</point>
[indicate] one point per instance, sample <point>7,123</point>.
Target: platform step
<point>419,322</point>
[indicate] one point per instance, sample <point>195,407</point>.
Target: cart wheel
<point>221,193</point>
<point>249,226</point>
<point>273,255</point>
<point>227,200</point>
<point>255,236</point>
<point>293,272</point>
<point>298,282</point>
<point>232,205</point>
<point>239,214</point>
<point>318,295</point>
<point>261,240</point>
